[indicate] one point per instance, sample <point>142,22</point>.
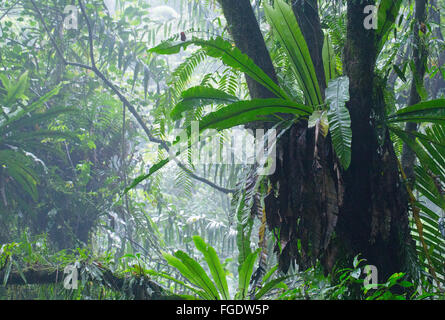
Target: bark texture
<point>373,219</point>
<point>244,29</point>
<point>305,199</point>
<point>143,289</point>
<point>312,197</point>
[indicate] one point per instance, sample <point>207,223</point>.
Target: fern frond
<point>183,73</point>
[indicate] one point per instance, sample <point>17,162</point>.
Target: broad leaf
<point>200,293</point>
<point>16,90</point>
<point>428,111</point>
<point>337,94</point>
<point>399,73</point>
<point>243,112</point>
<point>199,276</point>
<point>143,177</point>
<point>245,274</point>
<point>171,46</point>
<point>267,287</point>
<point>229,55</point>
<point>16,165</point>
<point>216,269</point>
<point>190,275</point>
<point>387,14</point>
<point>20,115</point>
<point>329,63</point>
<point>244,223</point>
<point>321,118</point>
<point>198,97</point>
<point>285,26</point>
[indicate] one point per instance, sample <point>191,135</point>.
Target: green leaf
<point>21,120</point>
<point>286,28</point>
<point>395,277</point>
<point>243,112</point>
<point>17,90</point>
<point>329,63</point>
<point>216,269</point>
<point>244,224</point>
<point>356,261</point>
<point>35,118</point>
<point>200,293</point>
<point>146,80</point>
<point>7,272</point>
<point>428,111</point>
<point>137,68</point>
<point>321,118</point>
<point>143,177</point>
<point>269,286</point>
<point>270,273</point>
<point>409,139</point>
<point>424,296</point>
<point>406,284</point>
<point>229,55</point>
<point>187,273</point>
<point>399,72</point>
<point>198,97</point>
<point>387,14</point>
<point>171,46</point>
<point>19,269</point>
<point>16,165</point>
<point>37,136</point>
<point>245,274</point>
<point>337,94</point>
<point>199,276</point>
<point>120,55</point>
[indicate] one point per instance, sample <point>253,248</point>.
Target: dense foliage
<point>98,174</point>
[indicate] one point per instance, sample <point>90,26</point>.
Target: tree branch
<point>50,275</point>
<point>123,99</point>
<point>8,10</point>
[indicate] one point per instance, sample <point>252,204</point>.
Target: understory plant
<point>214,286</point>
<point>355,283</point>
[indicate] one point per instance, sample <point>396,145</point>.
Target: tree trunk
<point>306,12</point>
<point>419,57</point>
<point>310,190</point>
<point>143,289</point>
<point>373,220</point>
<point>303,211</point>
<point>244,29</point>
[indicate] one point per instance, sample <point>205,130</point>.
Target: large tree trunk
<point>306,12</point>
<point>310,190</point>
<point>244,29</point>
<point>305,204</point>
<point>373,219</point>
